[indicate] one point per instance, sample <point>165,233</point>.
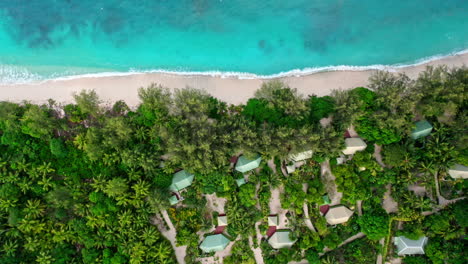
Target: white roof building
<point>272,220</point>
<point>353,145</point>
<point>338,215</point>
<point>301,156</point>
<point>222,220</point>
<point>458,171</point>
<point>406,246</point>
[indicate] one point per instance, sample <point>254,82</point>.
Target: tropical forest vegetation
<point>88,182</point>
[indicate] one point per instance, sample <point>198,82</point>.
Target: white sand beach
<point>229,89</point>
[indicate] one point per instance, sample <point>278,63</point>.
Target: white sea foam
<point>16,75</point>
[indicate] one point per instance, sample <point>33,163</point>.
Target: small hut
<point>244,164</point>
<point>214,243</point>
<point>354,145</point>
<point>181,180</point>
<point>281,239</point>
<point>173,200</point>
<point>406,246</point>
<point>222,220</point>
<point>300,156</point>
<point>458,171</point>
<point>240,182</point>
<point>422,129</point>
<point>338,215</point>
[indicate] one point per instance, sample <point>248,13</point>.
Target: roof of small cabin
<point>406,246</point>
<point>273,220</point>
<point>290,168</point>
<point>301,155</point>
<point>353,145</point>
<point>338,214</point>
<point>326,200</point>
<point>458,171</point>
<point>181,180</point>
<point>240,182</point>
<point>244,164</point>
<point>281,239</point>
<point>214,243</point>
<point>422,129</point>
<point>173,200</point>
<point>222,220</point>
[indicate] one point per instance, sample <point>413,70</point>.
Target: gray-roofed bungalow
<point>406,246</point>
<point>422,129</point>
<point>181,180</point>
<point>281,239</point>
<point>244,164</point>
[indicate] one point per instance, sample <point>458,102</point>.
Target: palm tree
<point>34,208</point>
<point>162,252</point>
<point>328,260</point>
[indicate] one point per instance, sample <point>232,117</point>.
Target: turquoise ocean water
<point>41,39</point>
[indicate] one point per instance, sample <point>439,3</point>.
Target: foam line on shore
<point>246,75</point>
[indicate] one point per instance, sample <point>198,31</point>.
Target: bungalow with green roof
<point>458,171</point>
<point>240,182</point>
<point>244,164</point>
<point>301,156</point>
<point>173,200</point>
<point>181,180</point>
<point>325,200</point>
<point>214,243</point>
<point>281,239</point>
<point>422,129</point>
<point>406,246</point>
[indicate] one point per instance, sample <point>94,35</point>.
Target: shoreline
<point>232,88</point>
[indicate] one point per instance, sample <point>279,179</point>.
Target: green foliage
<point>84,187</point>
<point>415,260</point>
<point>57,148</point>
<point>320,107</point>
<point>247,195</point>
<point>36,122</point>
<point>240,253</point>
<point>374,223</point>
<point>87,102</point>
<point>442,91</point>
<point>394,155</point>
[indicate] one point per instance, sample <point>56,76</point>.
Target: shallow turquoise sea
<point>42,39</point>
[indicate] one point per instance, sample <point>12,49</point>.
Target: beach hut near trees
<point>354,145</point>
<point>222,220</point>
<point>273,220</point>
<point>244,164</point>
<point>338,215</point>
<point>458,171</point>
<point>240,182</point>
<point>281,239</point>
<point>422,129</point>
<point>301,156</point>
<point>181,180</point>
<point>406,246</point>
<point>173,200</point>
<point>214,243</point>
